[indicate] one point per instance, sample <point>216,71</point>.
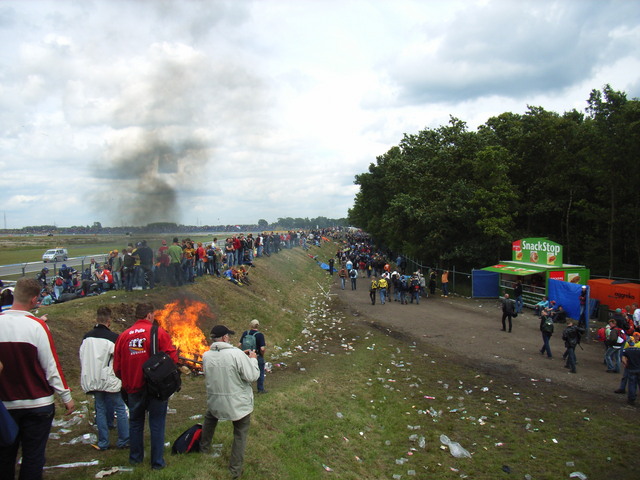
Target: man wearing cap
<point>259,348</point>
<point>229,373</point>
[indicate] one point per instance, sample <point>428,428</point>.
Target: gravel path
<point>471,328</point>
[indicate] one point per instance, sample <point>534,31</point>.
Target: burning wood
<point>180,319</point>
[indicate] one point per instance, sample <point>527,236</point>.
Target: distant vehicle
<point>55,255</point>
<point>49,234</point>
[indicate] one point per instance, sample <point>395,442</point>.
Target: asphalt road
<point>32,268</point>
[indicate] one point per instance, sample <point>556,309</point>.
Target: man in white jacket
<point>98,378</point>
<point>229,373</point>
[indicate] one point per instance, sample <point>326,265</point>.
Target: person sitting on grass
<point>230,275</point>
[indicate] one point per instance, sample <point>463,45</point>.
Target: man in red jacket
<point>133,348</point>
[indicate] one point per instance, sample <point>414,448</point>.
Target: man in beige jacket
<point>229,373</point>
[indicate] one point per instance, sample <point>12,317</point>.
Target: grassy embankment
<point>347,401</point>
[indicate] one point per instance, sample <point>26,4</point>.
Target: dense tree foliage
<point>450,196</point>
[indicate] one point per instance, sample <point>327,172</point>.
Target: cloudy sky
<point>227,112</point>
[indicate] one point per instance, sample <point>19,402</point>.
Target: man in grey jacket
<point>229,373</point>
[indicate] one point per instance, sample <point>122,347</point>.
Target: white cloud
<point>241,110</point>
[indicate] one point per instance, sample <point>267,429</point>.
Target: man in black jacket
<point>508,311</point>
<point>571,336</point>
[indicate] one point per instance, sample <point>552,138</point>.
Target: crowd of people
<point>139,267</point>
<point>360,260</point>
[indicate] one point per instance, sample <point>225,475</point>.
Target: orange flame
<point>180,319</point>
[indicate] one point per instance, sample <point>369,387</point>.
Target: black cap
<point>220,331</point>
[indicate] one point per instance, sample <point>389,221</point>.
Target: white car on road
<point>55,255</point>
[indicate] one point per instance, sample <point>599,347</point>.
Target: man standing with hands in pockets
<point>228,373</point>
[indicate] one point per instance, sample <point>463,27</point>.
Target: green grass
<point>377,383</point>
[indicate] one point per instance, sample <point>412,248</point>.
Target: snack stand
<point>534,262</point>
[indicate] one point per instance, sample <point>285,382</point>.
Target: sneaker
<point>620,390</point>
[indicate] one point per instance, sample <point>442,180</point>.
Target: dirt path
<point>472,329</point>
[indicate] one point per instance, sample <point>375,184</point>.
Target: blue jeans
<point>117,280</point>
<point>613,355</point>
<point>445,289</point>
<point>545,344</point>
<point>415,294</point>
<point>633,385</point>
<point>139,405</point>
<point>200,267</point>
<point>383,295</point>
<point>342,282</point>
<point>519,304</point>
<point>260,382</point>
<point>105,402</point>
<point>34,425</point>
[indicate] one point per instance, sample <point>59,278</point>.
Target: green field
<point>348,400</point>
<point>22,249</point>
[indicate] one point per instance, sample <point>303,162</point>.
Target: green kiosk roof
<point>516,268</point>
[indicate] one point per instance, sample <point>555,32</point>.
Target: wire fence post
<point>454,279</point>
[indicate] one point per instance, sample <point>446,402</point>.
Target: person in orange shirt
<point>444,279</point>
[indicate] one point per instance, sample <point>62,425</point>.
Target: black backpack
<point>188,441</point>
<point>161,375</point>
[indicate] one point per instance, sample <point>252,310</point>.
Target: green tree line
<point>451,196</point>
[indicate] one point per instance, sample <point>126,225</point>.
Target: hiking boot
<point>620,390</point>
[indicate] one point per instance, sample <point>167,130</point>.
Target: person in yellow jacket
<point>382,288</point>
<point>373,290</point>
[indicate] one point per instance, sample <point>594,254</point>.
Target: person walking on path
<point>571,336</point>
<point>343,277</point>
<point>228,373</point>
<point>373,290</point>
<point>31,376</point>
<point>253,340</point>
<point>133,349</point>
<point>382,288</point>
<point>98,379</point>
<point>508,311</point>
<point>546,328</point>
<point>353,275</point>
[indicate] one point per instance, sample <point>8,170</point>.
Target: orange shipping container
<point>614,293</point>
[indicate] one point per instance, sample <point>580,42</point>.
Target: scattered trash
<point>454,447</point>
<point>579,475</point>
<point>74,465</point>
<point>75,420</point>
<point>401,461</point>
<point>195,417</point>
<point>327,468</point>
<point>112,470</point>
<point>339,415</point>
<point>506,469</point>
<point>87,438</point>
<point>216,450</point>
